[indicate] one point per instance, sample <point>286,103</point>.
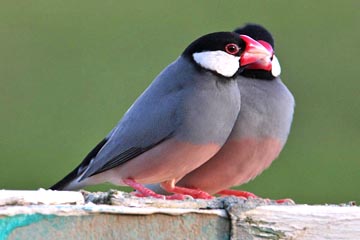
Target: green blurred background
<point>70,69</point>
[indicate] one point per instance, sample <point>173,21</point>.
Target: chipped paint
<point>116,226</point>
<point>9,224</point>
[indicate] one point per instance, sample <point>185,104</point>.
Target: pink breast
<point>236,163</point>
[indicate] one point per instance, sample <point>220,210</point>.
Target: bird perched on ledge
<point>180,121</point>
<point>260,131</point>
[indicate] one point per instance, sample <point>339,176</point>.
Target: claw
<point>237,193</point>
<point>169,186</point>
<point>141,190</point>
<point>285,201</point>
<point>246,195</point>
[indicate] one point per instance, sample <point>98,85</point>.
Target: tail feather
<point>64,183</point>
<point>70,181</point>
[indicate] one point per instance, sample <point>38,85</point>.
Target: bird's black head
<point>217,41</point>
<point>267,69</point>
<point>220,52</point>
<point>256,32</point>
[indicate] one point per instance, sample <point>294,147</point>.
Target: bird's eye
<point>232,48</point>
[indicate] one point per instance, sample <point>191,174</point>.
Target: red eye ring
<point>232,48</point>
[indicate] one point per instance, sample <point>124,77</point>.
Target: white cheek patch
<point>218,61</point>
<point>276,69</point>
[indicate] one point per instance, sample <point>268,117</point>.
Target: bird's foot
<point>169,197</point>
<point>169,186</point>
<point>237,193</point>
<point>142,191</point>
<point>246,195</point>
<point>285,201</point>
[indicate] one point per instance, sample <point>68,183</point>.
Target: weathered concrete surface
<point>117,226</point>
<point>300,222</point>
<point>119,215</point>
<point>41,196</point>
<point>116,215</point>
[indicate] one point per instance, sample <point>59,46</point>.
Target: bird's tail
<point>69,182</point>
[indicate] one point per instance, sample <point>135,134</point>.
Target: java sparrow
<point>178,123</point>
<point>260,131</point>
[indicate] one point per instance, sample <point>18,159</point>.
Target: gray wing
<point>150,120</point>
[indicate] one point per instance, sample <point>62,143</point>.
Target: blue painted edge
<point>9,224</point>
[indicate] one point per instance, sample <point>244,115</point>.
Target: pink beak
<point>255,52</point>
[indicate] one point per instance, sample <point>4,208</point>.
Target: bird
<point>178,123</point>
<point>260,131</point>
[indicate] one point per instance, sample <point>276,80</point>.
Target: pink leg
<point>141,189</point>
<point>145,192</point>
<point>247,195</point>
<point>237,193</point>
<point>285,200</point>
<point>195,193</point>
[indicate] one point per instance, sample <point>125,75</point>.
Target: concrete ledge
<point>111,222</point>
<point>117,215</point>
